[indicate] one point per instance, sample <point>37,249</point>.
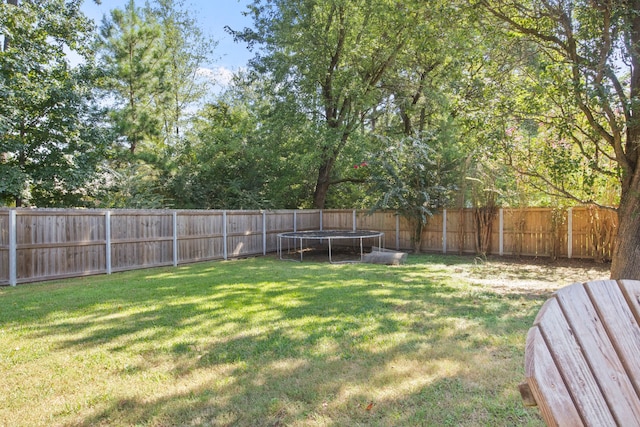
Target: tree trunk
<point>483,225</point>
<point>322,185</point>
<point>324,172</point>
<point>417,236</point>
<point>626,254</point>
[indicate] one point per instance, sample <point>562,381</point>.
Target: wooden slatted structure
<point>431,234</point>
<point>308,219</point>
<point>593,232</point>
<point>384,222</point>
<point>338,219</point>
<point>244,233</point>
<point>200,236</point>
<point>4,246</point>
<point>528,232</point>
<point>582,357</point>
<point>460,231</point>
<point>59,243</point>
<point>141,239</point>
<point>282,221</point>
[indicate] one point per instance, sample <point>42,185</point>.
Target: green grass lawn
<point>262,342</point>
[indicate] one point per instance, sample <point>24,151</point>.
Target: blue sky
<point>213,16</point>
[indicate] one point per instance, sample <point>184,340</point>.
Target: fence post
<point>354,220</point>
<point>397,232</point>
<point>570,233</point>
<point>501,232</point>
<point>13,248</point>
<point>264,233</point>
<point>107,232</point>
<point>175,238</point>
<point>444,231</point>
<point>224,235</point>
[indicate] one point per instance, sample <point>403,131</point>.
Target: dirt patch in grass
<point>529,275</point>
<point>538,276</point>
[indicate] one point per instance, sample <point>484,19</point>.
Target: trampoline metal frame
<point>329,235</point>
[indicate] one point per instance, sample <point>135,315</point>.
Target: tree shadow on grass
<point>392,387</point>
<point>306,344</point>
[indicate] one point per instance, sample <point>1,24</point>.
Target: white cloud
<point>220,76</point>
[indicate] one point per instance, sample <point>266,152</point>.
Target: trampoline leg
<point>330,251</point>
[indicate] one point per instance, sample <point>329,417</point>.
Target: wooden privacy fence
<point>579,232</point>
<point>43,244</point>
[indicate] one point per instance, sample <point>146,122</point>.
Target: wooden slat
<point>631,291</point>
<point>621,323</point>
<point>200,236</point>
<point>547,384</point>
<point>588,327</point>
<point>576,372</point>
<point>72,244</point>
<point>141,240</point>
<point>4,246</point>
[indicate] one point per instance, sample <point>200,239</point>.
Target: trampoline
<point>298,238</point>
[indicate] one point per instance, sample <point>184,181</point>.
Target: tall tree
<point>185,51</point>
<point>50,140</point>
<point>152,57</point>
<point>332,55</point>
<point>242,151</point>
<point>592,52</point>
<point>131,54</point>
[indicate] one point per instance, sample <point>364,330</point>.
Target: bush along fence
<point>44,244</point>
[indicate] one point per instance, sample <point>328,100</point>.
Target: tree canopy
<point>51,145</point>
<point>586,66</point>
<point>332,60</point>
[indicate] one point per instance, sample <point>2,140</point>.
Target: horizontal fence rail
<point>45,244</point>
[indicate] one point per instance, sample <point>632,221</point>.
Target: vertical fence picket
<point>570,233</point>
<point>107,232</point>
<point>175,238</point>
<point>501,233</point>
<point>13,249</point>
<point>225,253</point>
<point>444,231</point>
<point>264,233</point>
<point>397,232</point>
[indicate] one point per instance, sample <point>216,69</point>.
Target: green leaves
<point>46,105</point>
<point>412,176</point>
<point>151,57</point>
<point>335,61</point>
<point>572,86</point>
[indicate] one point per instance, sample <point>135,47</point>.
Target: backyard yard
<point>262,342</point>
